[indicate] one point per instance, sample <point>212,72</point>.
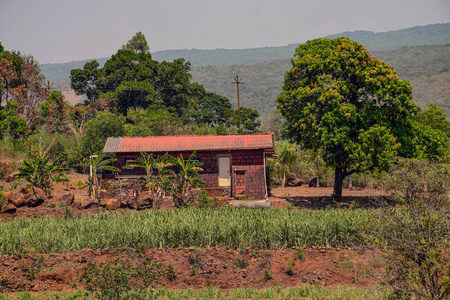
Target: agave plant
<point>39,171</point>
<point>99,163</point>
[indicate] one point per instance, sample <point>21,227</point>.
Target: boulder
<point>294,182</point>
<point>37,198</point>
<point>188,198</point>
<point>113,204</point>
<point>67,199</point>
<point>123,202</point>
<point>313,182</point>
<point>18,200</point>
<point>142,201</point>
<point>86,203</point>
<point>8,209</point>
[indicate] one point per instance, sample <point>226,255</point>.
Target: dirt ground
<point>213,267</point>
<point>221,267</point>
<point>302,196</point>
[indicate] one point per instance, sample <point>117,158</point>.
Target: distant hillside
<point>437,34</point>
<point>427,68</point>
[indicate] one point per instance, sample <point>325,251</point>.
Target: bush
<point>99,129</point>
<point>415,236</point>
<point>115,280</point>
<point>204,201</point>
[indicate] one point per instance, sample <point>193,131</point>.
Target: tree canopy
<point>22,91</point>
<point>350,106</point>
<point>131,79</point>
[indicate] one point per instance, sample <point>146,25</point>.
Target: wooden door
<point>224,171</point>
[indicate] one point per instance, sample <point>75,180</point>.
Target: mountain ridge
<point>418,35</point>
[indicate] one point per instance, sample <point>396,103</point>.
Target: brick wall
<point>247,171</point>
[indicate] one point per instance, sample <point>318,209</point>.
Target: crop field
<point>303,292</point>
<point>189,227</point>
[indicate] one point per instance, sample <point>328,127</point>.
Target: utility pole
<point>237,82</point>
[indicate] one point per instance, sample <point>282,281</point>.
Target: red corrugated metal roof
<point>191,143</point>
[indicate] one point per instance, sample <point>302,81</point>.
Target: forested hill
<point>437,34</point>
<point>427,68</point>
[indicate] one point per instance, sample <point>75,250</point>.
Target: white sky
<point>66,30</point>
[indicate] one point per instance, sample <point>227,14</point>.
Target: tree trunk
<point>339,176</point>
<point>318,173</point>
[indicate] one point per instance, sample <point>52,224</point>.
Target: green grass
<point>302,292</point>
<point>190,227</point>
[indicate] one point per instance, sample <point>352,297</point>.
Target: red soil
<point>214,267</point>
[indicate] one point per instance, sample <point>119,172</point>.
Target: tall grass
<point>301,292</point>
<point>237,228</point>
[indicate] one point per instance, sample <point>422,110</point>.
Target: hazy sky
<point>66,30</point>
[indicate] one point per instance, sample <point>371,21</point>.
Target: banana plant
<point>99,163</point>
<point>39,171</point>
<point>155,182</point>
<point>187,176</point>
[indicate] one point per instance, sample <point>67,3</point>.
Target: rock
<point>6,194</point>
<point>313,182</point>
<point>123,203</point>
<point>113,203</point>
<point>158,203</point>
<point>143,200</point>
<point>37,198</point>
<point>85,203</point>
<point>188,198</point>
<point>39,193</point>
<point>18,200</point>
<point>67,199</point>
<point>8,209</point>
<point>295,182</point>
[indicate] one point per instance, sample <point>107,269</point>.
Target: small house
<point>233,165</point>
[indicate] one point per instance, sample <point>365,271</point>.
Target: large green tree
<point>350,106</point>
<point>132,79</point>
<point>211,109</point>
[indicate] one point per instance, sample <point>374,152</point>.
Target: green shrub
<point>417,233</point>
<point>115,280</point>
